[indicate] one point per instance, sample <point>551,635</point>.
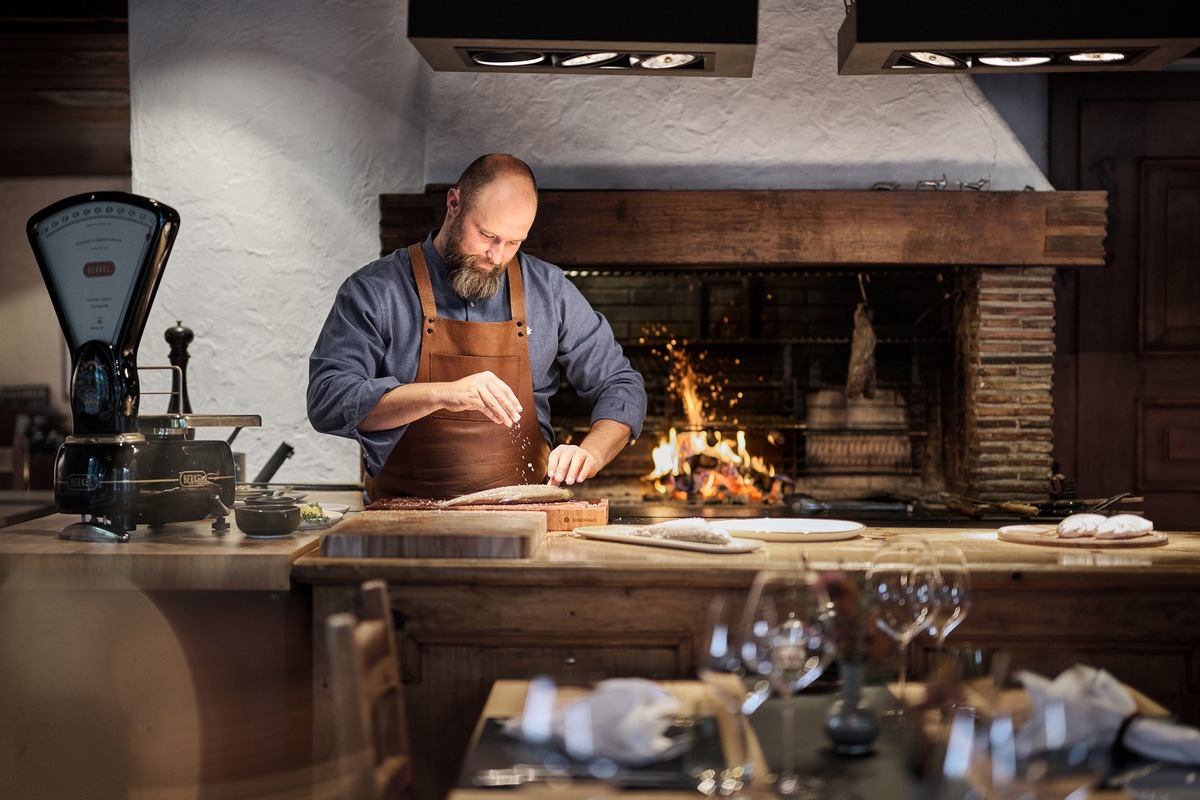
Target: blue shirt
<point>371,343</point>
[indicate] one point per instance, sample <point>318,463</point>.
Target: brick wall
<point>1006,349</point>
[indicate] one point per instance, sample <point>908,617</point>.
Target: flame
<point>687,464</point>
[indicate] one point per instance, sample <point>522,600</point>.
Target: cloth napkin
<point>624,720</point>
<point>1096,703</point>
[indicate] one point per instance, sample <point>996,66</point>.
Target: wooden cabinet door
<point>1127,385</point>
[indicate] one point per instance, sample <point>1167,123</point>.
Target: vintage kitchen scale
<point>102,256</point>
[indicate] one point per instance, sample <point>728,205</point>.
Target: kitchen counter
<point>19,506</point>
<point>181,556</point>
<point>177,664</point>
<point>581,609</point>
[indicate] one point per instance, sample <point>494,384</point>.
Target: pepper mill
<point>179,338</point>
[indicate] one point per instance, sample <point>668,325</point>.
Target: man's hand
<point>486,393</point>
<point>570,463</point>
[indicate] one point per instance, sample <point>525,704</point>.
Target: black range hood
<point>587,37</point>
<point>884,37</point>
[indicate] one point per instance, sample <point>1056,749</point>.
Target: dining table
<point>900,765</point>
<point>885,772</point>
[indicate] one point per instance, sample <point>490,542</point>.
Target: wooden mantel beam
<point>792,228</point>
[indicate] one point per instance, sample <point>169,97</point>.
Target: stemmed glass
<point>952,590</point>
<point>1052,754</point>
<point>901,579</point>
<point>719,665</point>
<point>789,640</point>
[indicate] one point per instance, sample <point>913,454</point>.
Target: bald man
<point>440,359</point>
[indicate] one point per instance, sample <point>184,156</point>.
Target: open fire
<point>690,467</point>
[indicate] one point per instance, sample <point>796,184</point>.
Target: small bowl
<point>267,520</point>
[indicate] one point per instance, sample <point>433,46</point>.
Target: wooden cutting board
<point>565,515</point>
<point>435,534</point>
<point>1044,535</point>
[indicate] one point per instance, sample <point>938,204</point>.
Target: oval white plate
<point>624,533</point>
<point>791,530</point>
<point>334,508</point>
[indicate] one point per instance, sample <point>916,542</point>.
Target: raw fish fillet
<point>691,529</point>
<point>522,493</point>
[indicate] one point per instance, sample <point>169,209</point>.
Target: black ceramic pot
<point>276,515</point>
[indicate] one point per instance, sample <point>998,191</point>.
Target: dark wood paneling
<point>64,90</point>
<point>1169,437</point>
<point>1170,255</point>
<point>1127,402</point>
<point>792,228</point>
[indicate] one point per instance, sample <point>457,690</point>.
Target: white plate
<point>314,525</point>
<point>791,530</point>
<point>334,508</point>
<point>624,533</point>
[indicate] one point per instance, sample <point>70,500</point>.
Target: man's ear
<point>453,203</point>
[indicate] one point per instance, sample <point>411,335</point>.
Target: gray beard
<point>467,278</point>
<point>471,282</point>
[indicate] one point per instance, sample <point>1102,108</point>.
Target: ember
<point>687,466</point>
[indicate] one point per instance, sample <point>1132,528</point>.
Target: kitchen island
<point>580,610</point>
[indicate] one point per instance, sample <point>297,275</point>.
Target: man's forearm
<point>605,439</point>
<point>482,392</point>
<point>403,405</point>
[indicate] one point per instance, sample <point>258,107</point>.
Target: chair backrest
<point>373,750</point>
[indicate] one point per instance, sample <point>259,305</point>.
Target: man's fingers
<point>570,464</point>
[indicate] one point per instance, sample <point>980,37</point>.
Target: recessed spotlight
<point>507,58</point>
<point>931,59</point>
<point>588,59</point>
<point>667,61</point>
<point>1014,60</point>
<point>1097,57</point>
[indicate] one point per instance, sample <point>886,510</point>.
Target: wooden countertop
<point>19,506</point>
<point>568,557</point>
<point>186,555</point>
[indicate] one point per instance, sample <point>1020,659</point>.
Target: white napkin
<point>623,720</point>
<point>1097,703</point>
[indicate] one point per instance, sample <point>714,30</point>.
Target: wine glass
<point>901,579</point>
<point>952,590</point>
<point>1051,754</point>
<point>719,666</point>
<point>788,629</point>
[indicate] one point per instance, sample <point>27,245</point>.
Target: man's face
<point>481,239</point>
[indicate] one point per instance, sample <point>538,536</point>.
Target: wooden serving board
<point>565,515</point>
<point>435,534</point>
<point>1044,535</point>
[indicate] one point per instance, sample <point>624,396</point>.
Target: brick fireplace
<point>759,289</point>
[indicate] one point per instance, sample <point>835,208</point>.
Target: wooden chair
<point>373,755</point>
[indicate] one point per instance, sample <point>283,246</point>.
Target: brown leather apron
<point>450,453</point>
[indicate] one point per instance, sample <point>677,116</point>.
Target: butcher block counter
<point>582,609</point>
<point>175,665</point>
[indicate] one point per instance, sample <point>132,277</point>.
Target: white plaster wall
<point>32,347</point>
<point>273,127</point>
<point>796,124</point>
